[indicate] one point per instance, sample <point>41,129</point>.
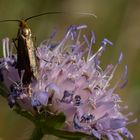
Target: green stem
<point>36,134</point>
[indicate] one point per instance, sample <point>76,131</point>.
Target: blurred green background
<point>118,20</point>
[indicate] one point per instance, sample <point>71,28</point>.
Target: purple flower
<point>71,81</point>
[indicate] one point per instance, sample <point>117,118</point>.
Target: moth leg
<point>1,75</point>
<point>14,42</point>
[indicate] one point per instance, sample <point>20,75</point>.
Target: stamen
<point>77,100</point>
<point>120,58</point>
<point>68,97</point>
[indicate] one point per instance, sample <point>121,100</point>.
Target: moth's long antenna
<point>47,13</point>
<point>53,13</point>
<point>16,20</point>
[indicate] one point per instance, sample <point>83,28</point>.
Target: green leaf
<point>37,134</point>
<point>55,121</point>
<point>25,114</point>
<point>50,124</point>
<point>66,134</point>
<point>50,120</point>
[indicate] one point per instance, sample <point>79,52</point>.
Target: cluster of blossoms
<point>70,80</point>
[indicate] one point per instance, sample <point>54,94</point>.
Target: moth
<point>26,54</point>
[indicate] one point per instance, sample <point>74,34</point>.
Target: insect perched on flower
<point>26,57</point>
<point>71,82</point>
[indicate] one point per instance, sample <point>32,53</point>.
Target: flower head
<point>70,80</point>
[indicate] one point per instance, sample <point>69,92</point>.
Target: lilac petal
<point>102,48</point>
<point>117,123</point>
<point>120,58</point>
<point>125,72</point>
<point>102,110</point>
<point>116,98</point>
<point>52,88</point>
<point>105,123</point>
<point>117,136</point>
<point>98,53</point>
<point>53,34</point>
<point>68,109</point>
<point>105,42</point>
<point>133,121</point>
<point>92,38</point>
<point>76,122</point>
<point>126,133</point>
<point>40,99</point>
<point>52,46</point>
<point>86,40</point>
<point>97,63</point>
<point>96,133</point>
<point>110,137</point>
<point>92,41</point>
<point>108,69</point>
<point>73,35</point>
<point>124,84</point>
<point>73,31</point>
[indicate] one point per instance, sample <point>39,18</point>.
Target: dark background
<point>118,20</point>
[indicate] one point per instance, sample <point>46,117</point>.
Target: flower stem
<point>36,134</point>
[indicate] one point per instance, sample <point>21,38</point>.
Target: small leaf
<point>36,134</point>
<point>67,134</point>
<point>25,114</point>
<point>55,121</point>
